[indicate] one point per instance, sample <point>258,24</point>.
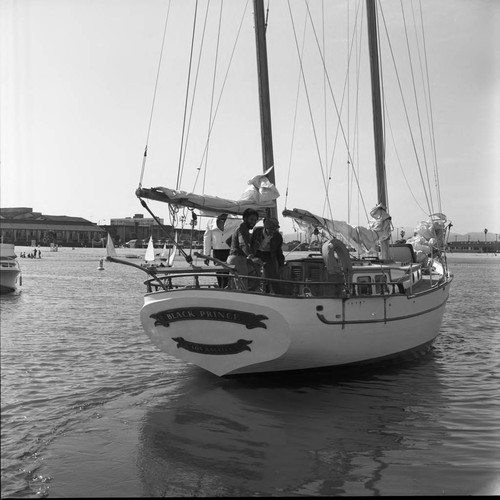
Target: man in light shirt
<point>219,229</point>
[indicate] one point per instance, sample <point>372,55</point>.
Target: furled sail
<point>356,236</point>
<point>259,195</point>
<point>429,236</point>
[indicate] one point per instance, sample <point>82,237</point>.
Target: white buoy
<point>101,265</point>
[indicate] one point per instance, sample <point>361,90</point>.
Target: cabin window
<point>314,273</point>
<point>381,287</point>
<point>296,273</point>
<point>364,285</point>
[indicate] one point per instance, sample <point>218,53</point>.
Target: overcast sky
<point>77,82</point>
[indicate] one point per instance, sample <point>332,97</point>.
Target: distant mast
<point>264,99</point>
<point>378,130</point>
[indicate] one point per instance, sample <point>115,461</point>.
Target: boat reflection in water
<point>365,435</point>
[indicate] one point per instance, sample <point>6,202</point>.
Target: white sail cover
<point>429,236</point>
<point>355,236</point>
<point>259,195</point>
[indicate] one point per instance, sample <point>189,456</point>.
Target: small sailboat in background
<point>167,255</point>
<point>149,256</point>
<point>110,247</point>
<point>164,253</point>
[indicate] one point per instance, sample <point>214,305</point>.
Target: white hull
<point>10,280</point>
<point>10,271</point>
<point>288,333</point>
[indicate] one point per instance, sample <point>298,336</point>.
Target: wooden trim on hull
<point>385,320</point>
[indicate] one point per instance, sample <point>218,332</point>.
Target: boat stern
<point>218,331</point>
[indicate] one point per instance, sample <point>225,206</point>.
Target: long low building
<point>23,226</point>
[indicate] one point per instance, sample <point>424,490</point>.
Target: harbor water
<point>90,408</point>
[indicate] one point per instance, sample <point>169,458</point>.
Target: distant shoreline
<point>470,255</point>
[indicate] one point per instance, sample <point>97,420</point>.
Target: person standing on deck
<point>241,254</point>
<point>338,264</point>
<point>214,240</point>
<point>267,243</point>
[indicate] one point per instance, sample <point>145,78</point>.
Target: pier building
<point>23,226</point>
<point>474,246</point>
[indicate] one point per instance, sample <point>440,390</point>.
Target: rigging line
<point>356,143</point>
<point>324,87</point>
<point>295,114</point>
<point>195,86</point>
<point>177,184</point>
<point>335,103</point>
<point>338,115</point>
<point>433,137</point>
<point>154,96</point>
<point>212,95</point>
<point>356,114</point>
<point>416,106</point>
<point>309,105</point>
<point>401,164</point>
<point>406,110</point>
<point>325,117</point>
<point>224,83</point>
<point>188,258</point>
<point>348,111</point>
<point>346,86</point>
<point>350,45</point>
<point>417,44</point>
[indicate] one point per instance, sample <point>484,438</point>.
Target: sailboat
<point>164,253</point>
<point>168,256</point>
<point>149,256</point>
<point>387,301</point>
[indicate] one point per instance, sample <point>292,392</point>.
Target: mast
<point>378,131</point>
<point>264,100</point>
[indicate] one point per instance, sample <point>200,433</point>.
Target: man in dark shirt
<point>267,243</point>
<point>241,254</point>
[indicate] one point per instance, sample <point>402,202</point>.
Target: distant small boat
<point>164,254</point>
<point>150,251</point>
<point>10,270</point>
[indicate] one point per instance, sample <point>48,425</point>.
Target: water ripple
<point>83,390</point>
